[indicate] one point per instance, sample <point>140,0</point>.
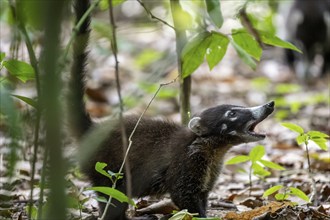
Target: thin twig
<point>153,16</point>
<point>121,103</point>
<point>130,142</point>
<point>121,119</point>
<point>141,116</point>
<point>249,26</point>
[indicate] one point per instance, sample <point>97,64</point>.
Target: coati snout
<point>235,122</point>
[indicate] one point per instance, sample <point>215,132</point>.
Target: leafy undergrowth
<point>233,197</point>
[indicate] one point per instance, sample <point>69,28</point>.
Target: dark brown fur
<point>165,157</point>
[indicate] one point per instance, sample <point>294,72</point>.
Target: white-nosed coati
<point>165,157</point>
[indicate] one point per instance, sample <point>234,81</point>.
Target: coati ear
<point>195,126</point>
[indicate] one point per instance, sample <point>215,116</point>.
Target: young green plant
<point>288,191</point>
<point>185,215</point>
<point>257,163</point>
<point>110,191</point>
<point>319,138</point>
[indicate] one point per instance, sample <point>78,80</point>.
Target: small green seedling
<point>110,191</point>
<point>317,137</point>
<point>291,191</point>
<point>257,163</point>
<point>185,215</point>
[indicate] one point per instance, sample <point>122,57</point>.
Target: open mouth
<point>259,113</point>
<point>250,130</point>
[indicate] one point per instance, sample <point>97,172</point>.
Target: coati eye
<point>231,114</point>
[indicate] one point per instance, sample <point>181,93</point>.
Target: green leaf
<point>285,88</point>
<point>271,165</point>
<point>116,194</point>
<point>281,196</point>
<point>99,167</point>
<point>29,13</point>
<point>27,100</point>
<point>2,55</point>
<point>217,49</point>
<point>182,215</point>
<point>34,212</point>
<point>273,40</point>
<point>72,202</point>
<point>293,127</point>
<point>214,11</point>
<point>20,69</point>
<point>297,192</point>
<point>195,218</point>
<point>247,42</point>
<point>104,4</point>
<point>257,153</point>
<point>164,93</point>
<point>271,190</point>
<point>101,199</point>
<point>264,22</point>
<point>147,57</point>
<point>247,59</point>
<point>259,170</point>
<point>314,134</point>
<point>212,45</point>
<point>321,143</point>
<point>301,139</point>
<point>193,53</point>
<point>237,159</point>
<point>261,83</point>
<point>102,29</point>
<point>295,106</point>
<point>14,122</point>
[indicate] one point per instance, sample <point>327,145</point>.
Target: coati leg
<point>116,211</point>
<point>194,202</point>
<point>190,190</point>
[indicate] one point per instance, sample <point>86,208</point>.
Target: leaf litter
<point>229,82</point>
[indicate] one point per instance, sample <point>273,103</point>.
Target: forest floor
<point>231,82</point>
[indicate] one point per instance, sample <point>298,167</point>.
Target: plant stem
<point>42,183</point>
<point>314,196</point>
<point>153,16</point>
<point>121,103</point>
<point>185,83</point>
<point>250,180</point>
<point>128,177</point>
<point>308,159</point>
<point>126,147</point>
<point>50,100</point>
<point>35,66</point>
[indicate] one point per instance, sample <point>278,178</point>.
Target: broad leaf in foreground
<point>116,194</point>
<point>19,69</point>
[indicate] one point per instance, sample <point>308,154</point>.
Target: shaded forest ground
<point>147,58</point>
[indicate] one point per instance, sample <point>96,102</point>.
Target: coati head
<point>233,123</point>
